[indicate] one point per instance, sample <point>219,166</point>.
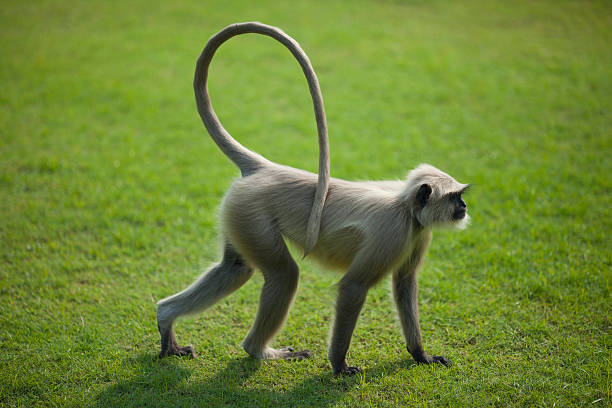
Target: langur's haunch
<point>365,229</point>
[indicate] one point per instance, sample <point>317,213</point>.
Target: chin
<point>462,223</point>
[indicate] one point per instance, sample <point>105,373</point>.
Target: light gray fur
<point>366,229</point>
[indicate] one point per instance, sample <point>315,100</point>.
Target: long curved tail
<point>248,161</point>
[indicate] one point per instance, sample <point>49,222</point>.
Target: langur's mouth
<point>459,214</point>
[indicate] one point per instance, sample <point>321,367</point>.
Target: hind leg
<point>270,254</point>
<point>218,282</point>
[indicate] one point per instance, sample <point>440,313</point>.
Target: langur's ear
<point>423,194</point>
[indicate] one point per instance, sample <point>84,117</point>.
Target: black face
<point>459,206</point>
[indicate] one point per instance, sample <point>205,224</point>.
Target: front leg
<point>405,288</point>
<point>368,267</point>
<point>351,297</point>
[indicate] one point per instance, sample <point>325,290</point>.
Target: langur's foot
<point>427,359</point>
<point>169,346</point>
<point>287,353</point>
<point>186,351</point>
<point>344,369</point>
<point>441,360</point>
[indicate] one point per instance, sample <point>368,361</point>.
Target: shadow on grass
<point>163,383</point>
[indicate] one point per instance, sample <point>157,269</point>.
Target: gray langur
<point>367,229</point>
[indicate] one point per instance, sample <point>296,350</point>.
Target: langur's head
<point>435,198</point>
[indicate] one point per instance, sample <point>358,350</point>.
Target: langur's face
<point>459,207</point>
<point>437,198</point>
<point>459,213</point>
<point>440,209</point>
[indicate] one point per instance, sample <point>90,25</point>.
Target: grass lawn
<point>109,186</point>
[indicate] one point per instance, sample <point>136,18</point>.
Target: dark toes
<point>305,353</point>
<point>186,351</point>
<point>298,355</point>
<point>354,370</point>
<point>350,371</point>
<point>442,360</point>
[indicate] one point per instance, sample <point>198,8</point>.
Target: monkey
<point>367,229</point>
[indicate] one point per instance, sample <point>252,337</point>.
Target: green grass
<point>109,186</point>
